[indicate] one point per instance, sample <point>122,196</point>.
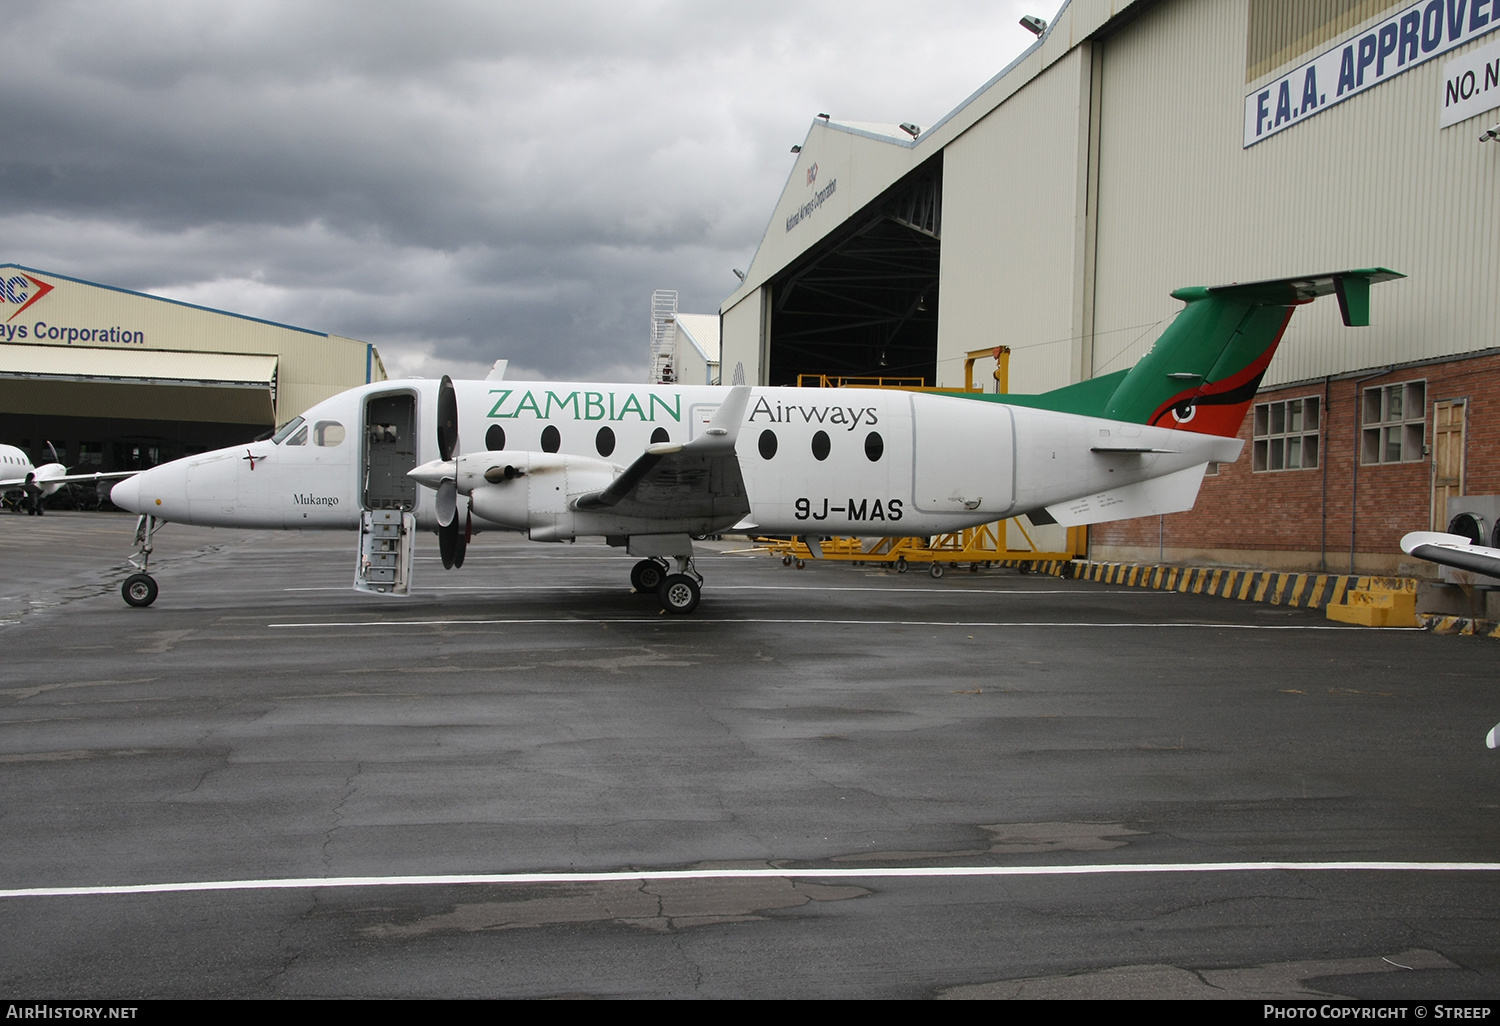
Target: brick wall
<point>1306,514</point>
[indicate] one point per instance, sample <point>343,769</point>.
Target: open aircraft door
<point>388,497</point>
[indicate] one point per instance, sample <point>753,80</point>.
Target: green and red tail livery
<point>1203,372</point>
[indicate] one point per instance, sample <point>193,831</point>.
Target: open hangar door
<point>863,302</point>
<point>115,409</point>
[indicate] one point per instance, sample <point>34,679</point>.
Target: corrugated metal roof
<point>703,331</point>
<point>164,299</point>
<point>137,366</point>
<point>878,129</point>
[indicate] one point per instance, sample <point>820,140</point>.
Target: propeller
<point>453,538</point>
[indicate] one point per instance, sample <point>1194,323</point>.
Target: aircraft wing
<point>114,475</point>
<point>672,481</point>
<point>1452,550</point>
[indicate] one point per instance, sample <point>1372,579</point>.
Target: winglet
<point>724,427</point>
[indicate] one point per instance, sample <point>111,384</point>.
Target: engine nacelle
<point>531,491</point>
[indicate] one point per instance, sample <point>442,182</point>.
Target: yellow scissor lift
<point>975,546</point>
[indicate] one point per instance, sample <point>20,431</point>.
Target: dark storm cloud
<point>455,182</point>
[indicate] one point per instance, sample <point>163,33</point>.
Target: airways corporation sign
<point>20,291</point>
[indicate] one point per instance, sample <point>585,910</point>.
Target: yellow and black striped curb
<point>1307,591</point>
<point>1440,623</point>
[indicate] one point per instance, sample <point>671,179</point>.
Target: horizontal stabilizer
<point>1172,493</point>
<point>1352,288</point>
<point>1128,449</point>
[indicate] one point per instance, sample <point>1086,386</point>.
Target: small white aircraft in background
<point>17,474</point>
<point>649,467</point>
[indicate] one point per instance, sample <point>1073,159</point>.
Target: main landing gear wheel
<point>139,590</point>
<point>679,594</point>
<point>647,575</point>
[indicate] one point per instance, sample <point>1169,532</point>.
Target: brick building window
<point>1286,434</point>
<point>1394,423</point>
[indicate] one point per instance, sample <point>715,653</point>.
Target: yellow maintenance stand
<point>974,546</point>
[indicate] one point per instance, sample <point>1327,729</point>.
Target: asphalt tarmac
<point>835,782</point>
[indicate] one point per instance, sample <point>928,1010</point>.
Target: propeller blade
<point>447,418</point>
<point>446,503</point>
<point>461,541</point>
<point>451,535</point>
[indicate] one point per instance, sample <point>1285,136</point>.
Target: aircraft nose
<point>160,491</point>
<point>127,494</point>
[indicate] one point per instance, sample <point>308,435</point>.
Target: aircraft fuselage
<point>814,461</point>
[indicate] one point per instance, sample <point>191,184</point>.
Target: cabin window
<point>660,435</point>
<point>1394,425</point>
<point>820,445</point>
<point>1286,434</point>
<point>328,433</point>
<point>288,428</point>
<point>494,438</point>
<point>874,446</point>
<point>767,444</point>
<point>300,438</point>
<point>551,438</point>
<point>604,441</point>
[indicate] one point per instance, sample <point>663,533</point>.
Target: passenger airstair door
<point>386,540</point>
<point>390,452</point>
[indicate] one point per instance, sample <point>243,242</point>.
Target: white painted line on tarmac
<point>801,621</point>
<point>864,873</point>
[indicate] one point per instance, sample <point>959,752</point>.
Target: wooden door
<point>1447,457</point>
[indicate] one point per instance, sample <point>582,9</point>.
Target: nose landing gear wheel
<point>647,575</point>
<point>139,590</point>
<point>679,594</point>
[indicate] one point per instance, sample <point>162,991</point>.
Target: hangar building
<point>1143,145</point>
<point>120,380</point>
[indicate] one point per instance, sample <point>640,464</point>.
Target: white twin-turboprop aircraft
<point>650,467</point>
<point>37,482</point>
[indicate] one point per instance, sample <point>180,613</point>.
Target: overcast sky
<point>455,182</point>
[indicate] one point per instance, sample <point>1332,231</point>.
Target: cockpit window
<point>300,438</point>
<point>328,432</point>
<point>291,425</point>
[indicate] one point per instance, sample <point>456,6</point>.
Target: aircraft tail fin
<point>1204,369</point>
